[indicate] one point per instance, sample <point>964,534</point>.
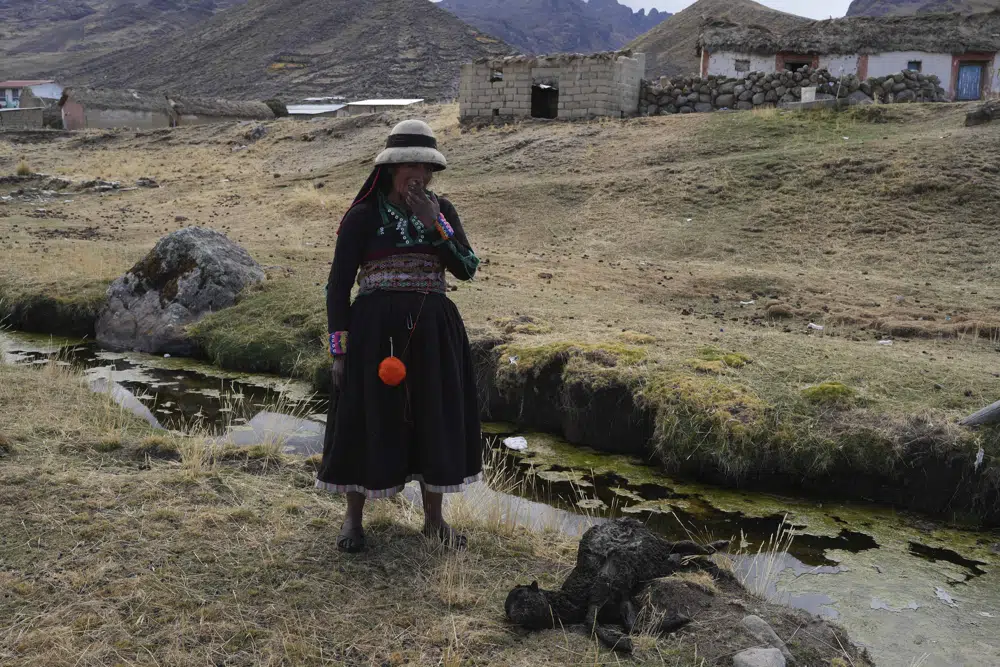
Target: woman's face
<point>405,174</point>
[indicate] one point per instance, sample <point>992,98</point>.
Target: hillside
<point>671,47</point>
<point>37,34</point>
<point>356,48</point>
<point>906,7</point>
<point>557,26</point>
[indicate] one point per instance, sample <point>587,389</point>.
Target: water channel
<point>914,591</point>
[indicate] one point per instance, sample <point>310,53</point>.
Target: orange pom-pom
<point>392,371</point>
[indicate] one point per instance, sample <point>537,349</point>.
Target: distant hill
<point>907,7</point>
<point>62,31</point>
<point>356,48</point>
<point>671,47</point>
<point>557,26</point>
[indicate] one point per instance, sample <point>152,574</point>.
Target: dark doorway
<point>544,102</point>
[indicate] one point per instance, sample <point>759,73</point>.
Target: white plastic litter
<point>747,303</point>
<point>815,327</point>
<point>979,457</point>
<point>518,444</point>
<point>513,361</point>
<point>166,356</point>
<point>945,597</point>
<point>885,342</point>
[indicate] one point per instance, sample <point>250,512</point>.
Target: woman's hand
<point>337,373</point>
<point>425,208</point>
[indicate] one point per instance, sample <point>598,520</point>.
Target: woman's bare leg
<point>434,523</point>
<point>352,536</point>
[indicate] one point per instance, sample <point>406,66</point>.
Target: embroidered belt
<point>410,272</point>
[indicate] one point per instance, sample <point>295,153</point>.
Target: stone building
<point>959,50</point>
<point>559,86</point>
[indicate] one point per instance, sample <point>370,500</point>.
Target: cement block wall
<point>21,119</point>
<point>589,86</point>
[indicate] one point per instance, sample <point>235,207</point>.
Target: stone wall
<point>606,84</point>
<point>762,89</point>
<point>22,119</point>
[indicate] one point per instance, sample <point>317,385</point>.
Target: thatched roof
<point>204,106</point>
<point>554,60</point>
<point>723,35</point>
<point>106,99</point>
<point>933,33</point>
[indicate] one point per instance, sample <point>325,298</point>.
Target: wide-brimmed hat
<point>412,141</point>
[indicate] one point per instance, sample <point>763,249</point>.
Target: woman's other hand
<point>337,373</point>
<point>425,207</point>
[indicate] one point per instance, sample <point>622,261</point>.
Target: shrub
<point>277,107</point>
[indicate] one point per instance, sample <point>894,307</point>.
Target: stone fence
<point>762,89</point>
<point>21,119</point>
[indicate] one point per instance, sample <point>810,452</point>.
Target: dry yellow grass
<point>154,551</point>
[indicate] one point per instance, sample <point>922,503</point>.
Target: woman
<point>397,239</point>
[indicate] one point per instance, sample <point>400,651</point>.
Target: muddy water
<point>915,592</point>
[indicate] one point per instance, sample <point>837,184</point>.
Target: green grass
<point>278,328</point>
<point>67,308</point>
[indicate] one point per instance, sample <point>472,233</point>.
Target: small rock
<point>763,633</point>
<point>147,183</point>
<point>180,218</point>
<point>759,657</point>
<point>545,276</point>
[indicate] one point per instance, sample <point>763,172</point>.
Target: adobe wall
<point>21,119</point>
<point>588,86</point>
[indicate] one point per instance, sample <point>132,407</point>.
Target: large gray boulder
<point>188,274</point>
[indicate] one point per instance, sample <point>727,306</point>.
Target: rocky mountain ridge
<point>557,26</point>
<point>295,48</point>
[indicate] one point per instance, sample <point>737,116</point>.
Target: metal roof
<point>313,109</point>
<point>383,103</point>
<point>22,84</point>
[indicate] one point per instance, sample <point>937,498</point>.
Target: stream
<point>916,592</point>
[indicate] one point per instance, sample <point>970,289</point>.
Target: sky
<point>817,9</point>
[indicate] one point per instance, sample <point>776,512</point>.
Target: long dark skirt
<point>379,438</point>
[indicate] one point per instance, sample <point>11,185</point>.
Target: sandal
<point>351,540</point>
<point>448,536</point>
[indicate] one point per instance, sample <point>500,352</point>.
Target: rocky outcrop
<point>769,89</point>
<point>190,273</point>
<point>986,113</point>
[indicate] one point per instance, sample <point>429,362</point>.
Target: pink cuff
<point>338,343</point>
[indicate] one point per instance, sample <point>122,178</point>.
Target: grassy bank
<point>685,258</point>
<point>125,546</point>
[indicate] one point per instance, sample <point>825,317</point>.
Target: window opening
<point>742,65</point>
<point>496,75</point>
<point>796,65</point>
<point>915,66</point>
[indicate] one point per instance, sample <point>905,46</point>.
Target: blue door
<point>970,82</point>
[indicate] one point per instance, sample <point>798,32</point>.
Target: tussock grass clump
<point>708,419</point>
<point>6,446</point>
<point>713,360</point>
<point>830,393</point>
<point>24,169</point>
<point>636,338</point>
<point>279,328</point>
